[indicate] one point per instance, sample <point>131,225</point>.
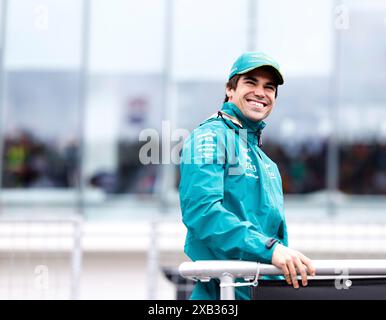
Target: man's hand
<point>292,262</point>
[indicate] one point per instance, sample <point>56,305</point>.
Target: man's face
<point>254,94</point>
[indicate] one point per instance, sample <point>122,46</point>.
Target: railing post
<point>227,291</point>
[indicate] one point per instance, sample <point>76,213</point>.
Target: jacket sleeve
<point>201,197</point>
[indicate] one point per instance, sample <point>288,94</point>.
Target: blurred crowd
<point>31,163</point>
<point>362,167</point>
<point>302,166</point>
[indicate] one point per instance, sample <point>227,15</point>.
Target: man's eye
<point>271,88</point>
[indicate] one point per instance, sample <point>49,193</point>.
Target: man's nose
<point>259,91</point>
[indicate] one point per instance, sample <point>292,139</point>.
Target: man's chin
<point>256,117</point>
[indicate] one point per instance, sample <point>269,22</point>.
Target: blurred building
<point>88,77</point>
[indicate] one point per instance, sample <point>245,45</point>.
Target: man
<point>230,191</point>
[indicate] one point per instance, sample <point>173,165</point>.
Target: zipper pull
<point>260,140</point>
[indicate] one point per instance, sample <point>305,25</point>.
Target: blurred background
<point>82,218</point>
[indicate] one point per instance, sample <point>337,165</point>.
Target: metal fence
<point>40,258</point>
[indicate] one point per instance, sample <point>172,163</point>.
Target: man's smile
<point>256,103</point>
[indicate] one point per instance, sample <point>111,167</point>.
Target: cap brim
<point>277,72</point>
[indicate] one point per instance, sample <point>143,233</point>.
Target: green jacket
<point>230,195</point>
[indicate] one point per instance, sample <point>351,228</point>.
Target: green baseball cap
<point>252,60</point>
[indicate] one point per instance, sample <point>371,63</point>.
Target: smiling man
<point>233,210</point>
<point>254,93</point>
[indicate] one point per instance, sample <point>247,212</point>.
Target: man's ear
<point>229,92</point>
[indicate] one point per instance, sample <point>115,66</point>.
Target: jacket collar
<point>233,114</point>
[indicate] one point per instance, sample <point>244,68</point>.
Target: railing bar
<point>216,268</point>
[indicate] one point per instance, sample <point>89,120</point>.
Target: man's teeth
<point>257,104</point>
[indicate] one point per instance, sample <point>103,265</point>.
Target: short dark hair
<point>232,85</point>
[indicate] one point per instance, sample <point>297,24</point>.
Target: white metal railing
<point>228,270</point>
<point>44,235</point>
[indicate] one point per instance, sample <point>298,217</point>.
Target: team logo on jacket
<point>249,168</point>
<point>206,145</point>
<point>268,170</point>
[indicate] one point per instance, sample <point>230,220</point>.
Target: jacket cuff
<point>270,243</point>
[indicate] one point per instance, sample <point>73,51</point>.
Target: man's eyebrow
<point>251,78</point>
<point>271,84</point>
<point>256,80</point>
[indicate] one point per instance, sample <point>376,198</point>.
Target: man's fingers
<point>288,278</point>
<point>308,263</point>
<point>300,267</point>
<point>287,275</point>
<point>293,274</point>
